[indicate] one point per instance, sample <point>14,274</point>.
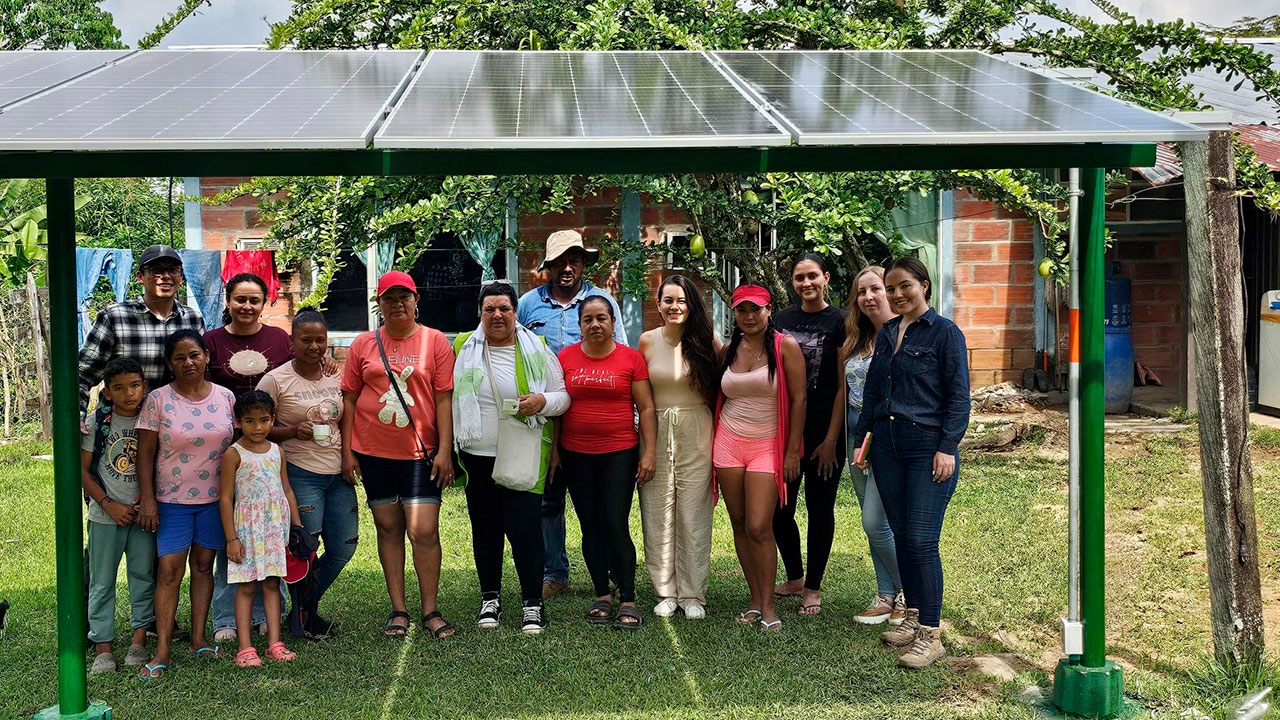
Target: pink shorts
<point>756,455</point>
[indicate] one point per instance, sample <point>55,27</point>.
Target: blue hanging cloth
<point>93,263</point>
<point>202,270</point>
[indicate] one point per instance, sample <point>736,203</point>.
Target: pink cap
<point>752,293</point>
<point>394,279</point>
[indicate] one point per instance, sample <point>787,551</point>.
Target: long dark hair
<point>916,269</point>
<point>814,258</point>
<point>731,352</point>
<point>699,348</point>
<point>231,286</point>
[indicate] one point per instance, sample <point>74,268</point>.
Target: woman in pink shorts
<point>759,426</point>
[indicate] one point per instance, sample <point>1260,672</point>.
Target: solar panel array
<point>245,99</point>
<point>495,99</point>
<point>260,100</point>
<point>935,97</point>
<point>26,72</point>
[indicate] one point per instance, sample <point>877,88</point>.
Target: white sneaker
<point>490,613</point>
<point>262,628</point>
<point>879,610</point>
<point>693,610</point>
<point>666,607</point>
<point>222,635</point>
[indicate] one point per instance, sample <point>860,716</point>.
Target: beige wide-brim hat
<point>562,241</point>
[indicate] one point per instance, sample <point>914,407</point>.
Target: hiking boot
<point>535,620</point>
<point>925,650</point>
<point>899,610</point>
<point>880,610</point>
<point>490,613</point>
<point>551,588</point>
<point>905,633</point>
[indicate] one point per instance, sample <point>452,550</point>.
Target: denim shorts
<point>180,525</point>
<point>388,480</point>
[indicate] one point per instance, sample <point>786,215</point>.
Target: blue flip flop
<point>207,650</point>
<point>149,671</point>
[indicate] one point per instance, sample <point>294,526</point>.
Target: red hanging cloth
<point>259,262</point>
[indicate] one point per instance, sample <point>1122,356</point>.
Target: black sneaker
<point>490,613</point>
<point>179,635</point>
<point>535,620</point>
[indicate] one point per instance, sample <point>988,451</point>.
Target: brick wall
<point>223,226</point>
<point>994,296</point>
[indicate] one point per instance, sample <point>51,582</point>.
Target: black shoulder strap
<point>386,366</point>
<point>101,431</point>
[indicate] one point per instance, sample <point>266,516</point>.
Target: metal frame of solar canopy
<point>1098,678</point>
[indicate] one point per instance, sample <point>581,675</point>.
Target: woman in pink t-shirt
<point>397,440</point>
<point>182,430</point>
<point>601,456</point>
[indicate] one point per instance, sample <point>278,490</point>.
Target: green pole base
<point>97,710</point>
<point>1089,691</point>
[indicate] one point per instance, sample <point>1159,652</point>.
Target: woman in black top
<point>820,329</point>
<point>916,406</point>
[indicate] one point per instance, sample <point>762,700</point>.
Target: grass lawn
<point>1004,551</point>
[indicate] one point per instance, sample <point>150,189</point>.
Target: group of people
<point>209,450</point>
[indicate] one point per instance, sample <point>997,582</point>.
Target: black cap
<point>159,252</point>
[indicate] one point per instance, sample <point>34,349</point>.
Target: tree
<point>56,24</point>
<point>844,215</point>
<point>1249,27</point>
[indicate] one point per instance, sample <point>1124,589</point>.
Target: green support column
<point>73,699</point>
<point>1093,685</point>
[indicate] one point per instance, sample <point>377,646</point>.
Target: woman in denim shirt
<point>916,405</point>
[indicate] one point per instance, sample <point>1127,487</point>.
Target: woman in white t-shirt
<point>505,376</point>
<point>308,406</point>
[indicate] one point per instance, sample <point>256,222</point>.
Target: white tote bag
<point>519,459</point>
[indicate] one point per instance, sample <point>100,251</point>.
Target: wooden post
<point>1217,321</point>
<point>40,334</point>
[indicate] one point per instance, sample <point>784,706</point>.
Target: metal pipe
<point>68,527</point>
<point>1073,401</point>
<point>1092,419</point>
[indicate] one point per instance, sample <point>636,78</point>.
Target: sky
<point>236,22</point>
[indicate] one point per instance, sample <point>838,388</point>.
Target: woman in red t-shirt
<point>600,456</point>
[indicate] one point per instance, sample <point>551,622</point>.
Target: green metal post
<point>1093,686</point>
<point>73,701</point>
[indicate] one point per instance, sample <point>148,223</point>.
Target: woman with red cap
<point>397,439</point>
<point>759,426</point>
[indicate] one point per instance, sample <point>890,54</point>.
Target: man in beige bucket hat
<point>551,310</point>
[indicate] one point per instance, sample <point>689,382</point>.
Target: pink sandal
<point>248,657</point>
<point>278,652</point>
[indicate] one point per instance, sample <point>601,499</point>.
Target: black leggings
<point>602,486</point>
<point>820,502</point>
<point>494,511</point>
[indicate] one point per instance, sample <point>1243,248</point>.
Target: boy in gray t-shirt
<point>110,482</point>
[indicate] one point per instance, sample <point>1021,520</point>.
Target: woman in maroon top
<point>245,349</point>
<point>601,457</point>
<point>240,353</point>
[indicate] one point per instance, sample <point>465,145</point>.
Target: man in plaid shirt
<point>137,328</point>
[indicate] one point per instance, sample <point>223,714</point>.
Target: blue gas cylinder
<point>1118,342</point>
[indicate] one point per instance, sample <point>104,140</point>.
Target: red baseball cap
<point>296,568</point>
<point>750,293</point>
<point>394,279</point>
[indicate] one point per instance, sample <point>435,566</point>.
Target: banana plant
<point>23,237</point>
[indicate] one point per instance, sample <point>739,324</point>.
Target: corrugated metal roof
<point>1264,139</point>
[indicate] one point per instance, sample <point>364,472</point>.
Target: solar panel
<point>935,97</point>
<point>24,73</point>
<point>244,99</point>
<point>553,99</point>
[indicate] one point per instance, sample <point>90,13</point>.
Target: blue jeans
<point>555,562</point>
<point>224,597</point>
<point>884,556</point>
<point>902,455</point>
<point>328,508</point>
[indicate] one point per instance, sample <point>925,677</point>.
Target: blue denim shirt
<point>558,323</point>
<point>925,382</point>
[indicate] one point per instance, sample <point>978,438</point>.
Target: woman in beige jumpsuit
<point>675,507</point>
